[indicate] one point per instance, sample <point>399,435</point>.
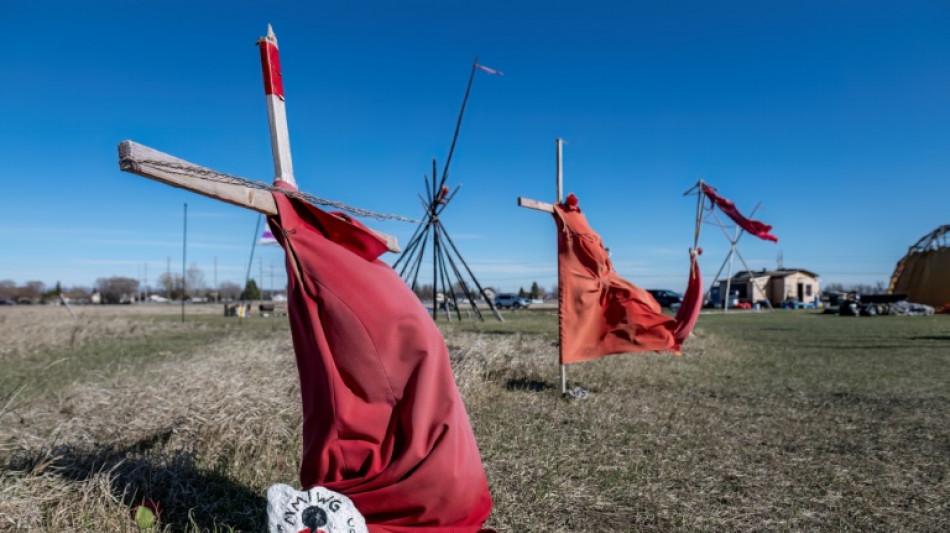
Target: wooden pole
<point>549,208</point>
<point>435,240</point>
<point>560,173</point>
<point>170,170</point>
<point>560,288</point>
<point>732,251</point>
<point>276,108</point>
<point>66,303</point>
<point>700,195</point>
<point>458,125</point>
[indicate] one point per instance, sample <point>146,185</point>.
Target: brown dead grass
<point>770,423</point>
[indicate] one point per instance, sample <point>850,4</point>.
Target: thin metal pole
<point>560,288</point>
<point>184,253</point>
<point>250,260</point>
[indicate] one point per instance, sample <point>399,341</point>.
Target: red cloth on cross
<point>759,229</point>
<point>383,422</point>
<point>600,312</point>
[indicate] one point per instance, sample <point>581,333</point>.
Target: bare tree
<point>117,289</point>
<point>424,291</point>
<point>8,289</point>
<point>229,290</point>
<point>31,290</point>
<point>172,284</point>
<point>195,279</point>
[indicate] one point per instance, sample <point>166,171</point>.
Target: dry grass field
<point>784,421</point>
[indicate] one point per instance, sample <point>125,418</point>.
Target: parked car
<point>666,298</point>
<point>511,301</point>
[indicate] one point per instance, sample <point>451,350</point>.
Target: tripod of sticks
<point>450,272</point>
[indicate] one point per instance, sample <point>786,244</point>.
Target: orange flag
<point>600,312</point>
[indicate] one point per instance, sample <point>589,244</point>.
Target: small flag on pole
<point>489,70</point>
<point>267,239</point>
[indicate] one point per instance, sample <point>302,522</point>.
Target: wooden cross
<point>150,163</point>
<point>549,208</point>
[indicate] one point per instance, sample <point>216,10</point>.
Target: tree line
<point>121,289</point>
<point>535,292</point>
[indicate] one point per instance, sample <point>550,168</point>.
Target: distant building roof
<point>744,275</point>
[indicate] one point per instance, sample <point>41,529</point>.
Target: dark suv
<point>666,298</point>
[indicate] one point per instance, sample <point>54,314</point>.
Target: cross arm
<point>534,204</point>
<point>170,170</point>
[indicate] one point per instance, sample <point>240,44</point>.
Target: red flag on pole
<point>383,421</point>
<point>754,227</point>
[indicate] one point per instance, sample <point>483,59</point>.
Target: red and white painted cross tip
<point>276,110</point>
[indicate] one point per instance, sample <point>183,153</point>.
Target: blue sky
<point>834,115</point>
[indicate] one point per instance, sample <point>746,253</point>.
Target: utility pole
<point>184,254</point>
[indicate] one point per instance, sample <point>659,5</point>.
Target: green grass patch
<point>95,351</point>
<point>771,421</point>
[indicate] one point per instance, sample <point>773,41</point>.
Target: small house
<point>776,286</point>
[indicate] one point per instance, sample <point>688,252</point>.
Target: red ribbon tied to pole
<point>759,229</point>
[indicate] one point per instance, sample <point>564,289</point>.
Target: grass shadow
<point>190,497</point>
<point>528,385</point>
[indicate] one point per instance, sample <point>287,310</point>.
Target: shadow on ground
<point>528,385</point>
<point>189,496</point>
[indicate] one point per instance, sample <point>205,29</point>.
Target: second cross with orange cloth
<point>600,312</point>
